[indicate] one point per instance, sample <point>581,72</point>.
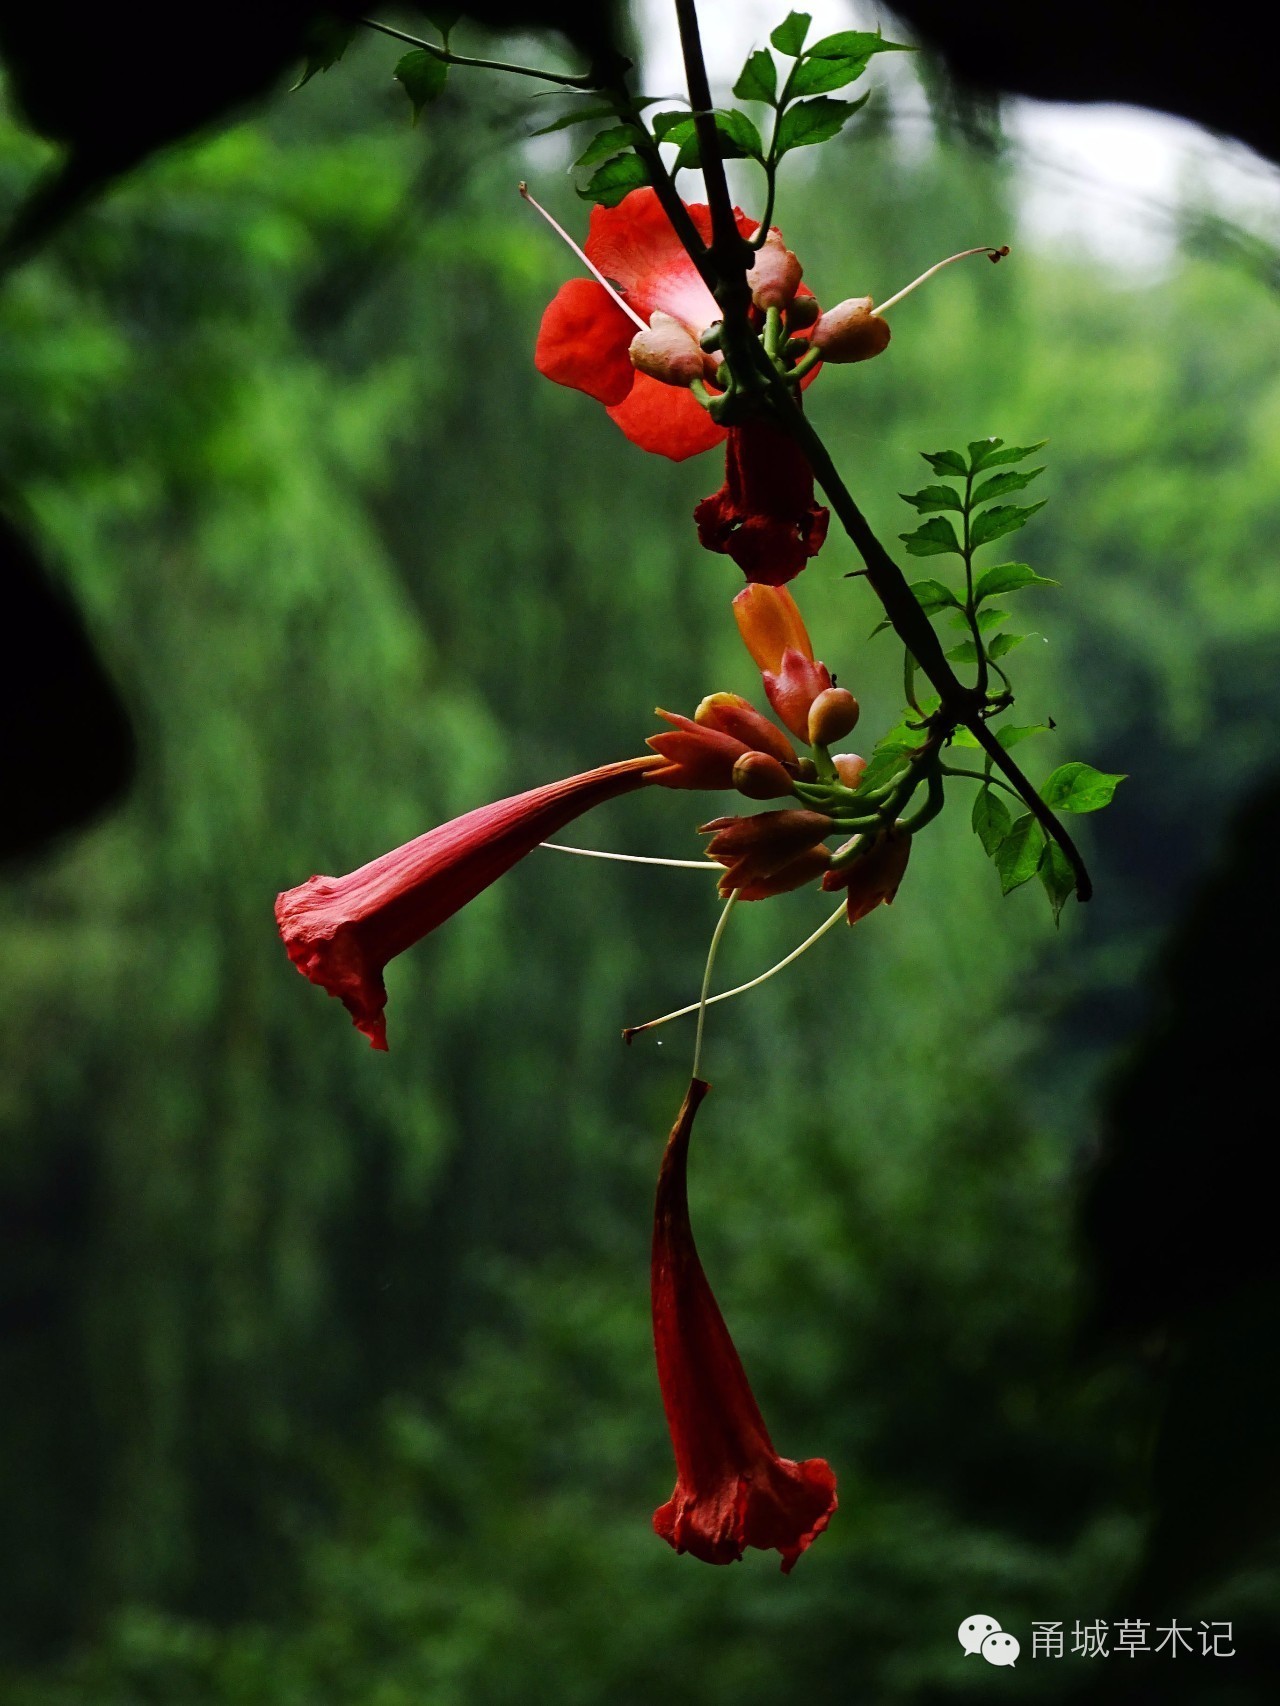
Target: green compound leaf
<point>1078,787</point>
<point>759,78</point>
<point>991,820</point>
<point>1008,577</point>
<point>933,498</point>
<point>814,121</point>
<point>936,538</point>
<point>1018,856</point>
<point>995,453</point>
<point>616,179</point>
<point>422,77</point>
<point>581,116</point>
<point>606,145</point>
<point>930,596</point>
<point>994,523</point>
<point>789,36</point>
<point>946,462</point>
<point>1058,878</point>
<point>999,485</point>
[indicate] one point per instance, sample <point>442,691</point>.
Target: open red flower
<point>341,931</point>
<point>585,337</point>
<point>732,1489</point>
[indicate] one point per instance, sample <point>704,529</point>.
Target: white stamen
<point>728,994</point>
<point>593,270</point>
<point>985,249</point>
<point>636,858</point>
<point>716,934</point>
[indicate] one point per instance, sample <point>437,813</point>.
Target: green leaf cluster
<point>803,104</point>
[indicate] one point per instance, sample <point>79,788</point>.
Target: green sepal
<point>423,77</point>
<point>1078,787</point>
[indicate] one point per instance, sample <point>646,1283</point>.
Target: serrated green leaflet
<point>946,462</point>
<point>1012,736</point>
<point>789,36</point>
<point>606,145</point>
<point>1000,519</point>
<point>995,453</point>
<point>1078,787</point>
<point>616,179</point>
<point>327,41</point>
<point>422,77</point>
<point>936,538</point>
<point>1008,577</point>
<point>1018,856</point>
<point>1058,878</point>
<point>848,44</point>
<point>820,76</point>
<point>965,652</point>
<point>1000,485</point>
<point>665,124</point>
<point>814,121</point>
<point>1004,643</point>
<point>990,820</point>
<point>933,498</point>
<point>580,117</point>
<point>758,80</point>
<point>739,139</point>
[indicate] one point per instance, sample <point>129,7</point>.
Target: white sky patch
<point>1102,180</point>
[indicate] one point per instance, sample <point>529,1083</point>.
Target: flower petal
<point>664,420</point>
<point>584,342</point>
<point>636,247</point>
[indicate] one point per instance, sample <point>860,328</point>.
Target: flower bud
<point>833,715</point>
<point>760,777</point>
<point>667,350</point>
<point>770,622</point>
<point>802,312</point>
<point>851,331</point>
<point>849,767</point>
<point>733,715</point>
<point>775,277</point>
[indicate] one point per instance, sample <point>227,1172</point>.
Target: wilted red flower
<point>773,631</point>
<point>764,516</point>
<point>874,876</point>
<point>341,931</point>
<point>585,337</point>
<point>770,853</point>
<point>732,1489</point>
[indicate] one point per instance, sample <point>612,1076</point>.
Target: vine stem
<point>586,82</point>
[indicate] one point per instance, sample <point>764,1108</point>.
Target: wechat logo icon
<point>980,1634</point>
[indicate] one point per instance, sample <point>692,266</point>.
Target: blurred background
<point>327,1375</point>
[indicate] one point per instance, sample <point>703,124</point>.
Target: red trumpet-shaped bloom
<point>341,931</point>
<point>732,1489</point>
<point>764,516</point>
<point>585,337</point>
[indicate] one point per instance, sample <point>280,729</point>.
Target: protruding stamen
<point>985,249</point>
<point>593,270</point>
<point>728,994</point>
<point>716,934</point>
<point>633,858</point>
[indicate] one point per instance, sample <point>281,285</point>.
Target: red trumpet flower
<point>732,1489</point>
<point>341,931</point>
<point>764,516</point>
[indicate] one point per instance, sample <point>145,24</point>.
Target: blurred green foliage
<point>327,1374</point>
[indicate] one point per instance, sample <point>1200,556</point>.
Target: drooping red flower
<point>341,931</point>
<point>732,1489</point>
<point>770,853</point>
<point>764,516</point>
<point>585,337</point>
<point>875,876</point>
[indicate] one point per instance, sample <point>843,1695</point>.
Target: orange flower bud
<point>851,331</point>
<point>833,715</point>
<point>668,351</point>
<point>849,767</point>
<point>770,623</point>
<point>760,777</point>
<point>733,715</point>
<point>775,277</point>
